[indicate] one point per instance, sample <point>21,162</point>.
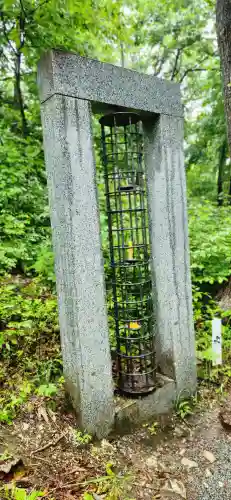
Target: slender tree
<point>223,15</point>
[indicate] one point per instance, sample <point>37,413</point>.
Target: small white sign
<point>217,341</point>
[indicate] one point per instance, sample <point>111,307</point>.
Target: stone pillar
<point>175,341</point>
<point>78,260</point>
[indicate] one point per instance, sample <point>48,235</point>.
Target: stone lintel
<point>106,85</point>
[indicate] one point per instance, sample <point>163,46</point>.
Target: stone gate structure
<point>71,88</point>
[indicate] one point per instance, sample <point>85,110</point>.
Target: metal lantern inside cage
<point>125,183</point>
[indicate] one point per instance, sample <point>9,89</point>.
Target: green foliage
<point>24,219</point>
<point>153,428</point>
<point>27,312</point>
<point>14,493</point>
<point>5,456</point>
<point>47,390</point>
<point>205,309</point>
<point>210,241</point>
<point>184,408</point>
<point>30,359</point>
<point>10,403</point>
<point>112,486</point>
<point>176,40</point>
<point>30,28</point>
<point>82,438</point>
<point>44,264</point>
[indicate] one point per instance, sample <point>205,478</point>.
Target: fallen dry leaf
<point>188,463</point>
<point>173,486</point>
<point>7,465</point>
<point>25,426</point>
<point>208,473</point>
<point>209,456</point>
<point>106,445</point>
<point>152,462</point>
<point>42,413</point>
<point>52,415</point>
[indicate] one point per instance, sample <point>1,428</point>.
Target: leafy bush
<point>210,241</point>
<point>30,359</point>
<point>27,312</point>
<point>24,217</point>
<point>44,264</point>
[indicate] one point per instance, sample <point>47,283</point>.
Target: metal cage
<point>126,197</point>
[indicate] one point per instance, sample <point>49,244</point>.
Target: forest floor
<point>188,459</point>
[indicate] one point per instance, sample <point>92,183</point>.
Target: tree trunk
<point>18,93</point>
<point>221,165</point>
<point>122,54</point>
<point>229,197</point>
<point>223,15</point>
